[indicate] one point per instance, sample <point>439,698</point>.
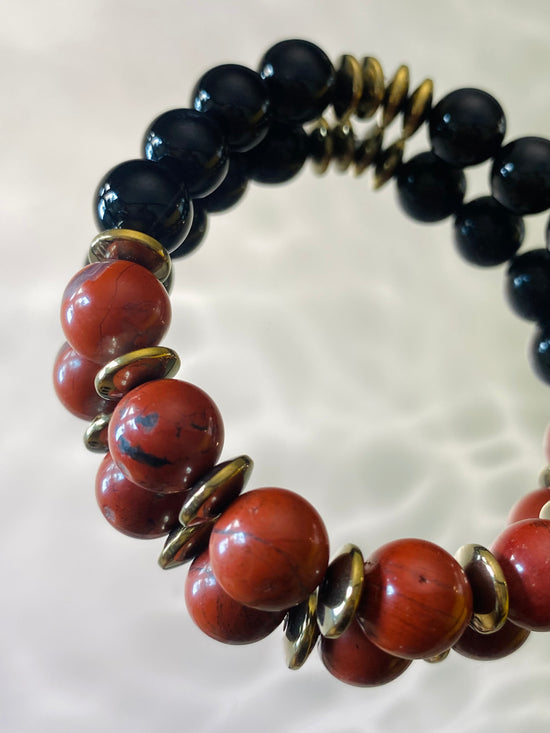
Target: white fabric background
<point>353,355</point>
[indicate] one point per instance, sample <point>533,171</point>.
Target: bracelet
<point>261,558</point>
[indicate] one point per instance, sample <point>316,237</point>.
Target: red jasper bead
<point>500,644</point>
<point>416,600</point>
<point>529,506</point>
<point>269,549</point>
<point>131,509</point>
<point>523,551</point>
<point>218,615</point>
<point>73,381</point>
<point>165,434</point>
<point>354,659</point>
<point>109,308</point>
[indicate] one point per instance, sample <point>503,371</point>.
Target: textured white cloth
<point>352,353</point>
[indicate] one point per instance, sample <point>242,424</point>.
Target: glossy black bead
<point>528,285</point>
<point>520,177</point>
<point>237,98</point>
<point>429,189</point>
<point>540,353</point>
<point>300,79</point>
<point>487,234</point>
<point>467,127</point>
<point>144,196</point>
<point>196,233</point>
<point>192,145</point>
<point>231,189</point>
<point>280,155</point>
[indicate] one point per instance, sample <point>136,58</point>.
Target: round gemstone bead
<point>520,176</point>
<point>165,434</point>
<point>467,127</point>
<point>231,189</point>
<point>540,353</point>
<point>109,308</point>
<point>280,155</point>
<point>523,551</point>
<point>144,196</point>
<point>269,549</point>
<point>73,379</point>
<point>131,509</point>
<point>429,189</point>
<point>219,615</point>
<point>237,98</point>
<point>355,660</point>
<point>196,233</point>
<point>300,79</point>
<point>485,647</point>
<point>416,599</point>
<point>529,506</point>
<point>528,285</point>
<point>192,145</point>
<point>487,234</point>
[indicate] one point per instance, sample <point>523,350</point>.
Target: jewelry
<point>261,557</point>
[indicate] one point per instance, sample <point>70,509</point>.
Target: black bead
<point>486,233</point>
<point>237,98</point>
<point>300,79</point>
<point>429,189</point>
<point>520,178</point>
<point>192,145</point>
<point>280,155</point>
<point>467,127</point>
<point>528,285</point>
<point>196,233</point>
<point>540,354</point>
<point>143,196</point>
<point>231,189</point>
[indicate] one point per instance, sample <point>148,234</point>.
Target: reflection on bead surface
<point>109,308</point>
<point>520,176</point>
<point>269,550</point>
<point>503,642</point>
<point>185,543</point>
<point>529,506</point>
<point>539,353</point>
<point>196,233</point>
<point>165,434</point>
<point>340,591</point>
<point>355,660</point>
<point>73,379</point>
<point>528,285</point>
<point>416,599</point>
<point>301,632</point>
<point>218,615</point>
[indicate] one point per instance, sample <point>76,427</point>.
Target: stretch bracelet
<point>260,558</point>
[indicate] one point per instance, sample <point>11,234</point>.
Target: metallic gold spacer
<point>373,88</point>
<point>215,491</point>
<point>544,477</point>
<point>545,511</point>
<point>343,145</point>
<point>368,150</point>
<point>438,657</point>
<point>321,140</point>
<point>340,591</point>
<point>127,244</point>
<point>185,543</point>
<point>395,96</point>
<point>122,374</point>
<point>482,568</point>
<point>417,108</point>
<point>387,163</point>
<point>349,73</point>
<point>300,632</point>
<point>95,438</point>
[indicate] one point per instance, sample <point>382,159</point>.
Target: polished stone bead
<point>269,549</point>
<point>196,233</point>
<point>529,506</point>
<point>355,660</point>
<point>300,79</point>
<point>520,176</point>
<point>486,647</point>
<point>280,156</point>
<point>132,510</point>
<point>237,98</point>
<point>109,308</point>
<point>231,189</point>
<point>192,145</point>
<point>416,599</point>
<point>467,127</point>
<point>429,189</point>
<point>539,353</point>
<point>73,379</point>
<point>528,285</point>
<point>144,196</point>
<point>219,615</point>
<point>523,551</point>
<point>165,434</point>
<point>487,234</point>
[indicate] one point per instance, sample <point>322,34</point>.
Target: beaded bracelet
<point>261,558</point>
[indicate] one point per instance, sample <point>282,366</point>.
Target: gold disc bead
<point>300,632</point>
<point>95,437</point>
<point>395,96</point>
<point>438,657</point>
<point>368,150</point>
<point>185,543</point>
<point>127,244</point>
<point>417,108</point>
<point>343,145</point>
<point>373,88</point>
<point>489,588</point>
<point>544,477</point>
<point>122,374</point>
<point>321,146</point>
<point>545,511</point>
<point>340,591</point>
<point>349,86</point>
<point>387,163</point>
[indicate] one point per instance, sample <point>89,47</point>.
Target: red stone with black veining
<point>165,434</point>
<point>110,308</point>
<point>218,615</point>
<point>73,378</point>
<point>269,549</point>
<point>416,599</point>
